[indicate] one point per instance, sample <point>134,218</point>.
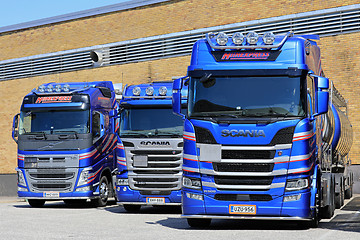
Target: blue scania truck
<point>266,135</point>
<point>150,162</point>
<point>67,143</point>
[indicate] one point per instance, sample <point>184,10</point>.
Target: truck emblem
<point>242,133</point>
<point>155,143</point>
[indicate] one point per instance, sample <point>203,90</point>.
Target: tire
<point>132,208</point>
<point>104,193</point>
<point>75,202</point>
<point>199,222</point>
<point>349,192</point>
<point>36,203</point>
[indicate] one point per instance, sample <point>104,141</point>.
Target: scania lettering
<point>149,168</point>
<point>66,136</point>
<point>266,135</point>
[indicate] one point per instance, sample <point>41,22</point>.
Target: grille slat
<point>244,197</point>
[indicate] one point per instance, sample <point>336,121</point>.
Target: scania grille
<point>162,170</point>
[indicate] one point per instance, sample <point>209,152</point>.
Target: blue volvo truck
<point>150,164</point>
<point>266,135</point>
<point>67,143</point>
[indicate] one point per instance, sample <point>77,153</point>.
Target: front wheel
<point>199,222</point>
<point>104,193</point>
<point>36,203</point>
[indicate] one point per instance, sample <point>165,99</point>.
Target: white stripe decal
<point>190,157</point>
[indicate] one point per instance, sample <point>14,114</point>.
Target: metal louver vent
<point>327,22</point>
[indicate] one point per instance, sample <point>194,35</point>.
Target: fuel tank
<point>337,133</point>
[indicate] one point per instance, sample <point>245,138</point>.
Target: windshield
<point>54,122</point>
<point>236,97</point>
<point>150,122</point>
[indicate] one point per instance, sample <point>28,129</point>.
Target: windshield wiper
<point>43,136</point>
<point>134,134</point>
<point>74,132</point>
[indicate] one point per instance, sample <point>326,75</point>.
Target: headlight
<point>222,38</point>
<point>192,183</point>
<point>21,189</point>
<point>20,178</point>
<point>84,176</point>
<point>297,184</point>
<point>122,181</point>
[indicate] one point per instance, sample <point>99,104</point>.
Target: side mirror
<point>15,128</point>
<point>176,96</point>
<point>321,95</point>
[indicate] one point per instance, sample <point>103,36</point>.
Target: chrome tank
<point>337,133</point>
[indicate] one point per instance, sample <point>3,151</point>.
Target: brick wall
<point>340,54</point>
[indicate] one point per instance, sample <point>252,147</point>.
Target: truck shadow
<point>61,204</point>
<point>171,210</point>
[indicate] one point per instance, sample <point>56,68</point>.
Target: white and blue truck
<point>150,160</point>
<point>266,135</point>
<point>67,143</point>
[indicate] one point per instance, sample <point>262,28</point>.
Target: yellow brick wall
<point>12,92</point>
<point>340,54</point>
<point>157,19</point>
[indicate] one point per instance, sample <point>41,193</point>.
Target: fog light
<point>268,38</point>
<point>21,189</point>
<point>162,91</point>
<point>66,88</point>
<point>252,37</point>
<point>83,189</point>
<point>222,38</point>
<point>195,196</point>
<point>238,38</point>
<point>41,88</point>
<point>122,181</point>
<point>49,88</point>
<point>136,91</point>
<point>292,198</point>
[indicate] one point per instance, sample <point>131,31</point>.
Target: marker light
<point>268,38</point>
<point>41,88</point>
<point>58,88</point>
<point>49,88</point>
<point>136,91</point>
<point>238,38</point>
<point>162,91</point>
<point>66,88</point>
<point>252,37</point>
<point>222,38</point>
<point>149,91</point>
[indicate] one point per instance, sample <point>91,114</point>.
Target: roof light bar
<point>249,39</point>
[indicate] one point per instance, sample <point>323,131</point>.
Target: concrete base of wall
<point>356,170</point>
<point>8,185</point>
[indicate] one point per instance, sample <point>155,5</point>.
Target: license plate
<point>242,209</point>
<point>153,200</point>
<point>51,194</point>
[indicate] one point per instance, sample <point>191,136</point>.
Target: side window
<point>96,124</point>
<point>311,94</point>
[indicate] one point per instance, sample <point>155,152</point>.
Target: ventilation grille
<point>323,22</point>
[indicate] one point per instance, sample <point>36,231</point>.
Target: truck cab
<point>67,141</point>
<point>150,166</point>
<point>253,142</point>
